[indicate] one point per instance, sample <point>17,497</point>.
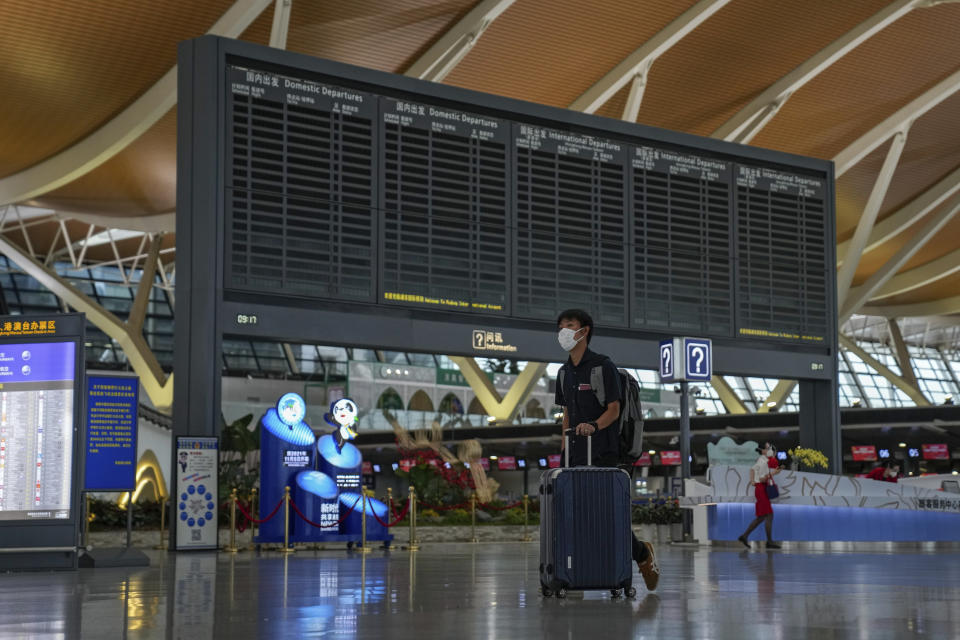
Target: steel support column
<point>820,420</point>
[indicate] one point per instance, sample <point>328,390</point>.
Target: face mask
<point>567,339</point>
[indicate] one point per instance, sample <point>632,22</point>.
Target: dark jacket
<point>585,391</point>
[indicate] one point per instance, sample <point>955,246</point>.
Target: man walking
<point>588,389</point>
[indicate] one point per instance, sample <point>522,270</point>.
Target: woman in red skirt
<point>761,474</point>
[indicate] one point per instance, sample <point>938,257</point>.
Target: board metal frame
<point>50,543</point>
<point>207,311</point>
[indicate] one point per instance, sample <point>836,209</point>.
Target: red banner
<point>670,458</point>
<point>864,453</point>
<point>936,452</point>
<point>507,463</point>
<point>407,463</point>
<point>644,460</point>
<point>555,461</point>
<point>367,468</point>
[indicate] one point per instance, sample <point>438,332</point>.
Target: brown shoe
<point>649,568</point>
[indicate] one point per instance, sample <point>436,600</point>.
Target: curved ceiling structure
<point>88,132</point>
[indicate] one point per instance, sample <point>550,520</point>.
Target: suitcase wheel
<point>615,593</point>
<point>546,592</point>
<point>632,592</point>
<point>561,593</point>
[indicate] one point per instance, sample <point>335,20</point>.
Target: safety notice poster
<point>196,499</point>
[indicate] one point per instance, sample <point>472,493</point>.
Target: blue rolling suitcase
<point>585,536</point>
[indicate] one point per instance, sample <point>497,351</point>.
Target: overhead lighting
<point>771,404</point>
<point>857,402</point>
<point>903,445</point>
<point>558,415</point>
<point>652,452</point>
<point>389,371</point>
<point>955,473</point>
<point>406,372</point>
<point>493,457</point>
<point>491,419</point>
<point>948,400</point>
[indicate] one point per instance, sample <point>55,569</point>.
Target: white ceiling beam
<point>638,62</point>
<point>114,136</point>
<point>456,43</point>
<point>873,139</point>
<point>908,215</point>
<point>942,307</point>
<point>868,217</point>
<point>159,387</point>
<point>898,381</point>
<point>155,223</point>
<point>748,122</point>
<point>281,23</point>
<point>921,276</point>
<point>859,295</point>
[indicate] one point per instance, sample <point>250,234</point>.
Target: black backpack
<point>631,412</point>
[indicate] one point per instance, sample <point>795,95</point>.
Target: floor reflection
<point>490,590</point>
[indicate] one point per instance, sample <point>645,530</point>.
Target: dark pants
<point>640,552</point>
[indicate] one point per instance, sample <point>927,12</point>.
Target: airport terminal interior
<point>338,410</point>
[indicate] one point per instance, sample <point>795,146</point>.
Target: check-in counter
<point>821,507</point>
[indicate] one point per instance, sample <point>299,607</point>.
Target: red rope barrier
<point>444,507</point>
<point>518,503</point>
<point>296,510</point>
<point>400,517</point>
<point>254,520</point>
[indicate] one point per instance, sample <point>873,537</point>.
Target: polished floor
<point>491,591</point>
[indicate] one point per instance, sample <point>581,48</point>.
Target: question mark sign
<point>698,355</point>
<point>666,360</point>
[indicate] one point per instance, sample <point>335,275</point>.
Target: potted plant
<point>802,459</point>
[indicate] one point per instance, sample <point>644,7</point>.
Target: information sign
<point>196,499</point>
<point>111,442</point>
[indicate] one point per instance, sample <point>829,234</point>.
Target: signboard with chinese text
<point>111,442</point>
<point>669,458</point>
<point>864,453</point>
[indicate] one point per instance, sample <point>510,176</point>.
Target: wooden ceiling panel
<point>868,84</point>
<point>946,241</point>
<point>932,151</point>
<point>736,54</point>
<point>551,51</point>
<point>945,288</point>
<point>853,191</point>
<point>68,67</point>
<point>379,34</point>
<point>140,180</point>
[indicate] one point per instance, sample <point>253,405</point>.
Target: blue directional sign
<point>698,359</point>
<point>667,358</point>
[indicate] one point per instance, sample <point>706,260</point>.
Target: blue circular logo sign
<point>291,408</point>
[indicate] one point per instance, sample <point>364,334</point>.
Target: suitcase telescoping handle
<point>566,448</point>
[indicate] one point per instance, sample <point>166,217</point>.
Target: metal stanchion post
<point>414,543</point>
<point>163,519</point>
<point>86,523</point>
<point>286,521</point>
<point>253,509</point>
<point>232,547</point>
<point>473,519</point>
<point>363,521</point>
<point>526,519</point>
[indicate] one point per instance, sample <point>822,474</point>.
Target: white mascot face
<point>345,412</point>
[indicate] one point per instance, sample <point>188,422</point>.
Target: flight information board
<point>342,191</point>
<point>36,429</point>
<point>444,192</point>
